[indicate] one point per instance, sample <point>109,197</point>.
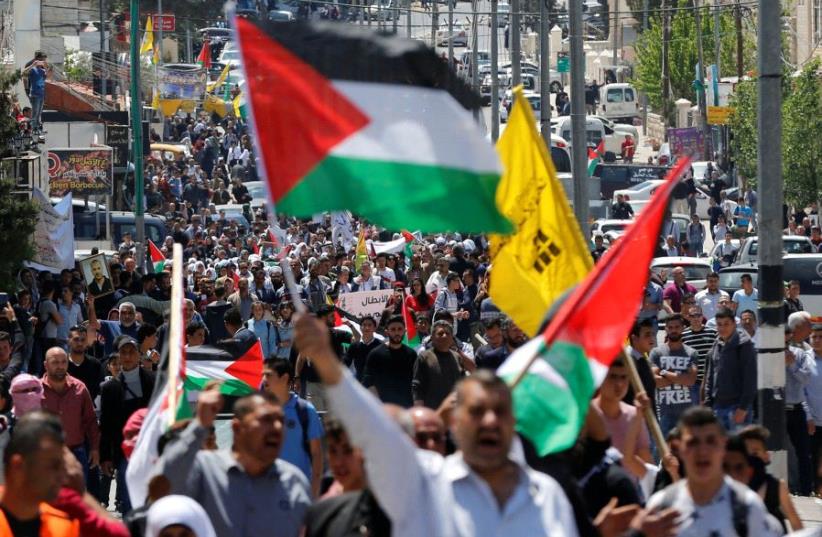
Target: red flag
<point>613,290</point>
<point>204,59</point>
<point>273,238</point>
<point>255,247</point>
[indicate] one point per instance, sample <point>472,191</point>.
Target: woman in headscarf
<point>178,516</point>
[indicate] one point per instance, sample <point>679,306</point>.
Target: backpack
<point>739,509</point>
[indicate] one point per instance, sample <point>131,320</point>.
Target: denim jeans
<point>123,500</point>
<point>726,417</point>
<point>37,102</point>
<point>81,454</point>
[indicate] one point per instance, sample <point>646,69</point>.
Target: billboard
<point>181,83</point>
<point>688,141</point>
<point>80,171</point>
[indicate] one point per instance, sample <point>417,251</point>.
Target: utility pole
<point>703,110</point>
<point>717,42</point>
<point>160,29</point>
<point>770,350</point>
<point>515,44</point>
<point>408,21</point>
<point>666,67</point>
<point>137,132</point>
<point>474,45</point>
<point>435,22</point>
<point>615,40</point>
<point>579,144</point>
<point>494,73</point>
<point>738,24</point>
<point>450,33</point>
<point>189,44</point>
<point>545,72</point>
<point>645,25</point>
<point>103,59</point>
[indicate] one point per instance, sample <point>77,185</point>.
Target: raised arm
<point>390,456</point>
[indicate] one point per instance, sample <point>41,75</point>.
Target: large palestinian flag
<point>349,119</point>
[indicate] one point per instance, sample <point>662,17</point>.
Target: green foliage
<point>77,66</point>
<point>18,216</point>
<point>682,53</point>
<point>801,128</point>
<point>638,9</point>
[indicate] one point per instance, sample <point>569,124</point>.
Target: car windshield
<point>733,280</point>
<point>618,226</point>
<point>789,246</point>
<point>256,191</point>
<point>804,270</point>
<point>640,186</point>
<point>692,272</point>
<point>629,95</point>
<point>562,162</point>
<point>230,55</point>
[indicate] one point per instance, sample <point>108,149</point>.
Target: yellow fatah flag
<point>361,253</point>
<point>155,58</point>
<point>155,99</point>
<point>220,80</point>
<point>148,38</point>
<point>547,254</point>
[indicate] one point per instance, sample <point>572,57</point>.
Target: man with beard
<point>389,369</point>
<point>68,398</point>
<point>111,330</point>
<point>438,370</point>
<point>247,490</point>
<point>674,366</point>
<point>481,488</point>
<point>514,337</point>
<point>81,366</point>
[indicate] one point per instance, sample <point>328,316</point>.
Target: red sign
<point>165,22</point>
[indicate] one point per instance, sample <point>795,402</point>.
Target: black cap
<point>127,340</point>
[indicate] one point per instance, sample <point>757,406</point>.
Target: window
<point>562,162</point>
<point>629,95</point>
<point>614,96</point>
<point>817,21</point>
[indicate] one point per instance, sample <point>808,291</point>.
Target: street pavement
<point>810,511</point>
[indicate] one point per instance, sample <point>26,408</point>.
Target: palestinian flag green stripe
<point>551,401</point>
<point>229,386</point>
<point>395,193</point>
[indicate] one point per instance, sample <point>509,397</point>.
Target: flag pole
<point>650,418</point>
<point>175,350</point>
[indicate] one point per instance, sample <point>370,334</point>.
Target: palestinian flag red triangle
<point>312,100</point>
<point>348,119</point>
<point>249,366</point>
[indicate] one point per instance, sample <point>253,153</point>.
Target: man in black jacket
<point>730,381</point>
<point>120,397</point>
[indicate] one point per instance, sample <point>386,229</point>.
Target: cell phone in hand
<point>4,299</point>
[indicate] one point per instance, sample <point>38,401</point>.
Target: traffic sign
<point>563,64</point>
<point>165,22</point>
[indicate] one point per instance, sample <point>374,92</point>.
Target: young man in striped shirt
<point>701,339</point>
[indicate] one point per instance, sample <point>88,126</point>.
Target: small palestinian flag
<point>411,337</point>
<point>594,157</point>
<point>204,58</point>
<point>158,260</point>
<point>239,370</point>
<point>337,104</point>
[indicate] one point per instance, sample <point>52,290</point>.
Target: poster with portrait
<point>96,275</point>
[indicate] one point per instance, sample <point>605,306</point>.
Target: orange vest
<point>53,523</point>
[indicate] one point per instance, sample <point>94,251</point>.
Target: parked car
<point>791,244</point>
<point>730,278</point>
<point>807,270</point>
<point>604,226</point>
<point>696,268</point>
<point>85,227</point>
<point>618,102</point>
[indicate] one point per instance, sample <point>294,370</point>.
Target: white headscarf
<point>182,510</point>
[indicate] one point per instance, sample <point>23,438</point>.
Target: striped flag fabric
<point>204,58</point>
<point>147,44</point>
<point>239,370</point>
<point>385,116</point>
<point>552,392</point>
<point>158,260</point>
<point>595,156</point>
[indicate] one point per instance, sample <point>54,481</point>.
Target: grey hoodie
<point>731,376</point>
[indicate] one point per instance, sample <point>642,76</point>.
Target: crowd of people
<point>355,429</point>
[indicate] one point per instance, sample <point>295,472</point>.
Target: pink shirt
<point>618,427</point>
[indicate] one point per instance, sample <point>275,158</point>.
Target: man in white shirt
<point>708,502</point>
<point>708,299</point>
<point>483,489</point>
<point>747,297</point>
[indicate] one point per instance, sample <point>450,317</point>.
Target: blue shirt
<point>813,389</point>
<point>111,329</point>
<point>37,82</point>
<point>797,375</point>
<point>267,334</point>
<point>293,450</point>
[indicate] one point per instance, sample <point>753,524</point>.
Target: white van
<point>595,132</point>
<point>618,102</point>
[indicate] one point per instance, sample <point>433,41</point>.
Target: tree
<point>801,142</point>
<point>638,9</point>
<point>682,53</point>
